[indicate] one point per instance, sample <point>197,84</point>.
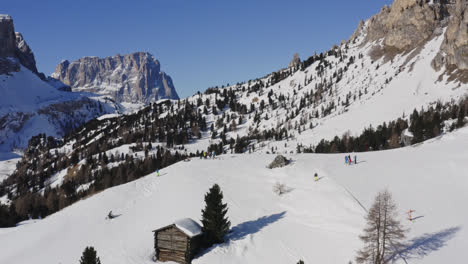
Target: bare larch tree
<point>384,234</point>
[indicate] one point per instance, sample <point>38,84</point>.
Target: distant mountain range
<point>31,103</point>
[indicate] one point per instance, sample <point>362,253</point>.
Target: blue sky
<point>200,43</point>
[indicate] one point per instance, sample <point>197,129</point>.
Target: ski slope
<point>318,222</point>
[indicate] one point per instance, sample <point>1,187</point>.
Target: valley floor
<point>318,222</point>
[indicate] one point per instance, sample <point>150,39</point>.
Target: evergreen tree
<point>215,223</point>
<point>90,256</point>
<point>461,117</point>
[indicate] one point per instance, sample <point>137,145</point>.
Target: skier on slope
<point>410,217</point>
<point>346,159</point>
<point>157,172</point>
<point>350,161</point>
<point>316,177</point>
<point>355,159</point>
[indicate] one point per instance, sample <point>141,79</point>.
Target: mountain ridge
<point>130,78</point>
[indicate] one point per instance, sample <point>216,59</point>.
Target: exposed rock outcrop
<point>130,78</point>
<point>278,162</point>
<point>25,54</point>
<point>454,49</point>
<point>295,62</point>
<point>14,50</point>
<point>410,24</point>
<point>8,63</point>
<point>406,23</point>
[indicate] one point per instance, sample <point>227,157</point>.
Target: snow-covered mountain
<point>30,103</point>
<point>131,78</point>
<point>400,79</point>
<point>361,94</point>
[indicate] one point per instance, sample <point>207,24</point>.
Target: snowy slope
<point>379,90</point>
<point>29,106</point>
<point>318,222</point>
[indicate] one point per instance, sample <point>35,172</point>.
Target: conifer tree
<point>383,234</point>
<point>215,223</point>
<point>90,256</point>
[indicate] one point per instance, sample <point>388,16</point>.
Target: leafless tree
<point>280,188</point>
<point>383,234</point>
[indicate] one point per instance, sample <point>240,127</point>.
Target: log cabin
<point>178,242</point>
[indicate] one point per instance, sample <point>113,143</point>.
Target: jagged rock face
<point>7,37</point>
<point>406,23</point>
<point>455,45</point>
<point>7,46</point>
<point>131,78</point>
<point>24,53</point>
<point>13,49</point>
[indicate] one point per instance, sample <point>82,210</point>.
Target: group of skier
<point>210,155</point>
<point>349,161</point>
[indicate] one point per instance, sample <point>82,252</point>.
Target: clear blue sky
<point>200,43</point>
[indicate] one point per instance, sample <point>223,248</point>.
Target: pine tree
<point>90,256</point>
<point>461,117</point>
<point>383,234</point>
<point>215,223</point>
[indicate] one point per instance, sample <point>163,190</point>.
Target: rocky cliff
<point>455,45</point>
<point>131,78</point>
<point>409,24</point>
<point>14,50</point>
<point>30,103</point>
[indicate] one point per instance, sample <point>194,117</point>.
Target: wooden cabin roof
<point>187,225</point>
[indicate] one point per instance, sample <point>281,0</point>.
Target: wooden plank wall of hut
<point>173,245</point>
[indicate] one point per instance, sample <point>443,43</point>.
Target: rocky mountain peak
<point>295,62</point>
<point>454,49</point>
<point>13,49</point>
<point>7,36</point>
<point>407,25</point>
<point>132,78</point>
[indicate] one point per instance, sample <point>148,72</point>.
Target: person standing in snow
<point>350,161</point>
<point>346,159</point>
<point>316,177</point>
<point>355,159</point>
<point>410,217</point>
<point>157,172</point>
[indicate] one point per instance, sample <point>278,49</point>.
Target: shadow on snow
<point>245,229</point>
<point>422,246</point>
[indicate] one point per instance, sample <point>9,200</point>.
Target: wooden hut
<point>178,242</point>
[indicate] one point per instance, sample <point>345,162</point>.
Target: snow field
<point>315,221</point>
